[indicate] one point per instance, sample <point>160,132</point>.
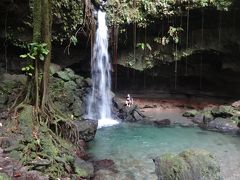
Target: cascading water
<point>99,104</point>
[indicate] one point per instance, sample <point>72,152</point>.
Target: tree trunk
<point>37,23</point>
<point>46,37</point>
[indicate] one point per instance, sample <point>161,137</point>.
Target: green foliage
<point>35,51</point>
<point>144,46</point>
<point>174,33</point>
<point>67,18</point>
<point>126,12</point>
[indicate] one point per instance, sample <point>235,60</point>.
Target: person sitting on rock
<point>129,101</point>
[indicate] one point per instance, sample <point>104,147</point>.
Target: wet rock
<point>190,113</point>
<point>86,129</point>
<point>79,81</point>
<point>223,125</point>
<point>54,68</point>
<point>83,169</point>
<point>149,106</point>
<point>70,85</point>
<point>190,165</point>
<point>70,74</point>
<point>236,104</point>
<point>77,107</point>
<point>87,82</point>
<point>117,103</point>
<point>106,164</point>
<point>223,111</point>
<point>131,114</point>
<point>63,75</point>
<point>203,116</point>
<point>162,122</point>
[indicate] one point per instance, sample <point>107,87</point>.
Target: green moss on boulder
<point>189,164</point>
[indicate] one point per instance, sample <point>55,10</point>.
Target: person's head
<point>128,95</point>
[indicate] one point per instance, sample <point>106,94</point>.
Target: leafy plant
<point>143,46</point>
<point>174,33</point>
<point>36,51</point>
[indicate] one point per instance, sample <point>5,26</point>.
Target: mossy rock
<point>63,75</point>
<point>190,113</point>
<point>71,85</point>
<point>223,111</point>
<point>26,121</point>
<point>71,74</point>
<point>83,169</point>
<point>171,167</point>
<point>203,164</point>
<point>189,164</point>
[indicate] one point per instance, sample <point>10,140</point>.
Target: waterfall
<point>100,99</point>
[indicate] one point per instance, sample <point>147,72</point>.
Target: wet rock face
<point>70,92</point>
<point>162,122</point>
<point>190,164</point>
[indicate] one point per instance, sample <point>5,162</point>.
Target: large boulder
<point>83,169</point>
<point>162,122</point>
<point>131,114</point>
<point>190,165</point>
<point>86,129</point>
<point>203,117</point>
<point>224,125</point>
<point>223,111</point>
<point>190,113</point>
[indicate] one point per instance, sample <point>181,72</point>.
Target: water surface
<point>132,147</point>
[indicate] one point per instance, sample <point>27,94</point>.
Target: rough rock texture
<point>86,129</point>
<point>222,118</point>
<point>162,122</point>
<point>131,114</point>
<point>190,113</point>
<point>223,125</point>
<point>12,169</point>
<point>190,165</point>
<point>70,92</point>
<point>83,169</point>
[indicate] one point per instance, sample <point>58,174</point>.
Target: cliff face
<point>205,58</point>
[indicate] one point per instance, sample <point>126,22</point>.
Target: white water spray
<point>99,106</point>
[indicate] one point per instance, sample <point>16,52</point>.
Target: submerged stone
<point>162,122</point>
<point>83,169</point>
